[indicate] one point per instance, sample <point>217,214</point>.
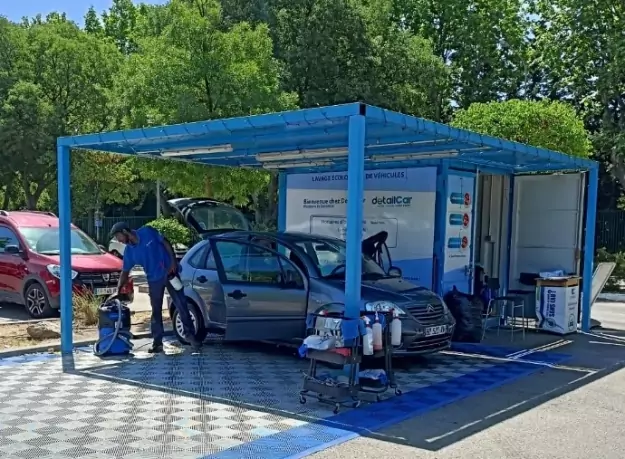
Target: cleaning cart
<point>325,344</point>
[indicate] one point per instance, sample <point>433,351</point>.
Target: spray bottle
<point>367,340</point>
<point>377,334</point>
<point>396,329</point>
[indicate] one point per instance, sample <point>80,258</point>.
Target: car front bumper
<point>414,341</point>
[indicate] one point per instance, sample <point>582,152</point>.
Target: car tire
<point>198,321</point>
<point>37,302</point>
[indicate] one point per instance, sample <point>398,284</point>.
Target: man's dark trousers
<point>157,293</point>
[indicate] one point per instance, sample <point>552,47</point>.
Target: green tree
<point>483,41</point>
<point>551,125</point>
<point>59,83</point>
<point>580,50</point>
<point>188,68</point>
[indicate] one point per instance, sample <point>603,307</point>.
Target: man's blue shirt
<point>150,253</point>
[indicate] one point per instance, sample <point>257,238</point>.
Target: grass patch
<point>86,309</point>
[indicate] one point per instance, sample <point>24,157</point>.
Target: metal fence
<point>88,225</point>
<point>611,230</point>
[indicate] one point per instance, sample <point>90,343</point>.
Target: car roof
<point>30,218</point>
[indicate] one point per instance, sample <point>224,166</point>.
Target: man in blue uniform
<point>148,248</point>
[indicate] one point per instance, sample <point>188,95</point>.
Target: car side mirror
<point>13,250</point>
<point>394,271</point>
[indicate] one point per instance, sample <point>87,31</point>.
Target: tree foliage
<point>496,64</point>
<point>551,125</point>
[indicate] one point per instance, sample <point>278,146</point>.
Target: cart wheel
<point>398,391</point>
<point>302,400</point>
<point>336,409</point>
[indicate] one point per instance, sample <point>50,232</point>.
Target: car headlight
<point>383,306</point>
<point>55,270</point>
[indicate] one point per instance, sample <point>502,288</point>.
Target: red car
<point>29,263</point>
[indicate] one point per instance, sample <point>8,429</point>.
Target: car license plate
<point>438,330</point>
<point>105,291</point>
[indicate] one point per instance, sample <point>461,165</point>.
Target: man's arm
<point>128,264</point>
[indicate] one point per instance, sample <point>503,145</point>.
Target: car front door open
<point>264,293</point>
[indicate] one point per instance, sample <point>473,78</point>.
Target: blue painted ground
<point>302,441</point>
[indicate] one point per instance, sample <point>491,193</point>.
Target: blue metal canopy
<point>316,140</point>
<point>352,137</point>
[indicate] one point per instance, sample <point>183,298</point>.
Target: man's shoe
<point>156,348</point>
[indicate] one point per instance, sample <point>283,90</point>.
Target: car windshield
<point>210,217</point>
<point>330,256</point>
<point>46,241</point>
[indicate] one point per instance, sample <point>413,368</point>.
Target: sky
<point>75,9</point>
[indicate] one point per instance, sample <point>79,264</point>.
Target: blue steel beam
<point>355,190</point>
<point>589,247</point>
<point>282,201</point>
<point>321,116</point>
<point>65,221</point>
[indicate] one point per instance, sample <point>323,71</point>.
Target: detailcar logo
<point>392,201</point>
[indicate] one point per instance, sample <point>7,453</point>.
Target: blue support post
<point>440,226</point>
<point>282,201</point>
<point>505,284</point>
<point>589,246</point>
<point>65,221</point>
<point>355,190</point>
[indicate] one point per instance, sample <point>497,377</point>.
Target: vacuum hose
<point>125,336</point>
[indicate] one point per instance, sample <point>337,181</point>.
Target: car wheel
<point>198,323</point>
<point>37,303</point>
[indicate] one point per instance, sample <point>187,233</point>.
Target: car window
<point>210,217</point>
<point>292,276</point>
<point>46,240</point>
<point>7,237</point>
<point>255,264</point>
<point>210,261</point>
<point>263,266</point>
<point>232,257</point>
<point>198,256</point>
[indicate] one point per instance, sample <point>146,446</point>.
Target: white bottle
<point>396,329</point>
<point>176,283</point>
<point>377,334</point>
<point>367,340</point>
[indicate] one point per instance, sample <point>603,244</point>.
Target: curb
<point>52,348</point>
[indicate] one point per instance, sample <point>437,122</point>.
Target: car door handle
<point>237,294</point>
<point>202,279</point>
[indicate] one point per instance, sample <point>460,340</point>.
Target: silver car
<point>252,286</point>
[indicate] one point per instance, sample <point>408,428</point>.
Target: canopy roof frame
<point>352,137</point>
